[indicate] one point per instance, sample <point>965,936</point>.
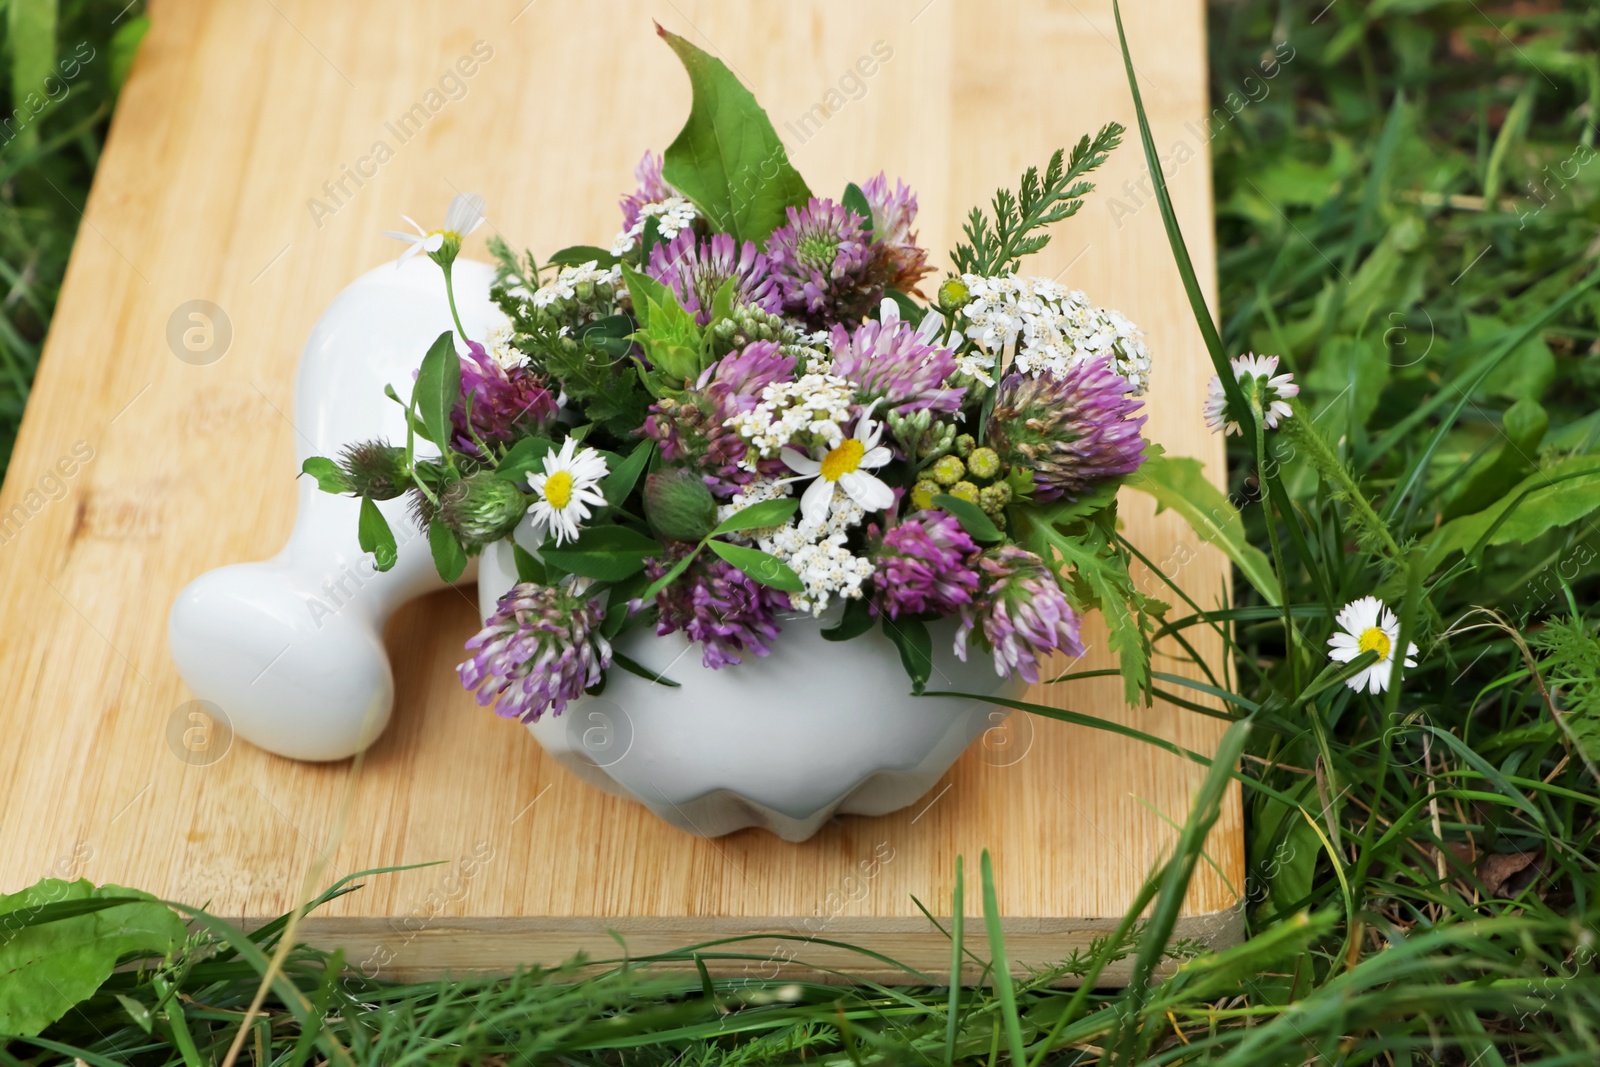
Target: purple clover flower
<point>825,264</point>
<point>695,268</point>
<point>721,607</point>
<point>893,212</point>
<point>1071,431</point>
<point>922,566</point>
<point>540,649</point>
<point>506,404</point>
<point>652,189</point>
<point>1021,613</point>
<point>889,361</point>
<point>693,427</point>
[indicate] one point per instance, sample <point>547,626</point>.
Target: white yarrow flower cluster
<point>814,551</point>
<point>814,407</point>
<point>672,215</point>
<point>497,341</point>
<point>570,279</point>
<point>1046,328</point>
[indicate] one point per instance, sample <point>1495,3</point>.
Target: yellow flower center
<point>843,460</point>
<point>1373,638</point>
<point>558,489</point>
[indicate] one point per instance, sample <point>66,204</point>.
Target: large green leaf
<point>49,963</point>
<point>1179,483</point>
<point>727,158</point>
<point>764,568</point>
<point>604,553</point>
<point>1560,494</point>
<point>438,386</point>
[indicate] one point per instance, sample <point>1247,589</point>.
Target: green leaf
<point>758,516</point>
<point>578,255</point>
<point>645,291</point>
<point>449,559</point>
<point>671,576</point>
<point>31,47</point>
<point>911,637</point>
<point>604,553</point>
<point>46,967</point>
<point>764,568</point>
<point>526,455</point>
<point>625,475</point>
<point>1179,483</point>
<point>728,159</point>
<point>856,620</point>
<point>373,535</point>
<point>124,46</point>
<point>438,386</point>
<point>1001,968</point>
<point>1559,495</point>
<point>970,516</point>
<point>330,479</point>
<point>633,666</point>
<point>529,567</point>
<point>856,200</point>
<point>1100,579</point>
<point>649,237</point>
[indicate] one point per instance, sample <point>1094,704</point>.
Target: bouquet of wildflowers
<point>758,401</point>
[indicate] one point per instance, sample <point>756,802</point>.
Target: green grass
<point>1422,865</point>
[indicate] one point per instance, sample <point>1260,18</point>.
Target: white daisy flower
<point>1276,389</point>
<point>1368,625</point>
<point>464,215</point>
<point>565,491</point>
<point>844,466</point>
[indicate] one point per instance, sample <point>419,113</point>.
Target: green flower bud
<point>984,462</point>
<point>678,505</point>
<point>923,492</point>
<point>965,491</point>
<point>993,498</point>
<point>948,471</point>
<point>953,293</point>
<point>375,469</point>
<point>482,508</point>
<point>965,444</point>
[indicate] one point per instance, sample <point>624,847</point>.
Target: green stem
<point>1332,468</point>
<point>450,292</point>
<point>1291,652</point>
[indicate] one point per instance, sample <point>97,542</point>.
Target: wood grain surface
<point>137,470</point>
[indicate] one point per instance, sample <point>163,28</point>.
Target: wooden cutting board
<point>244,168</point>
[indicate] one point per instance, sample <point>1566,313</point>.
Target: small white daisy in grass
<point>565,491</point>
<point>846,466</point>
<point>1253,371</point>
<point>1366,625</point>
<point>464,215</point>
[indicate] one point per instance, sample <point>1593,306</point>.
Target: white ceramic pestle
<point>291,649</point>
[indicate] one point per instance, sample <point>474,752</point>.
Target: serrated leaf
<point>1179,483</point>
<point>758,516</point>
<point>48,967</point>
<point>728,159</point>
<point>604,553</point>
<point>911,637</point>
<point>330,479</point>
<point>578,255</point>
<point>373,535</point>
<point>971,517</point>
<point>449,559</point>
<point>438,386</point>
<point>1559,495</point>
<point>763,567</point>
